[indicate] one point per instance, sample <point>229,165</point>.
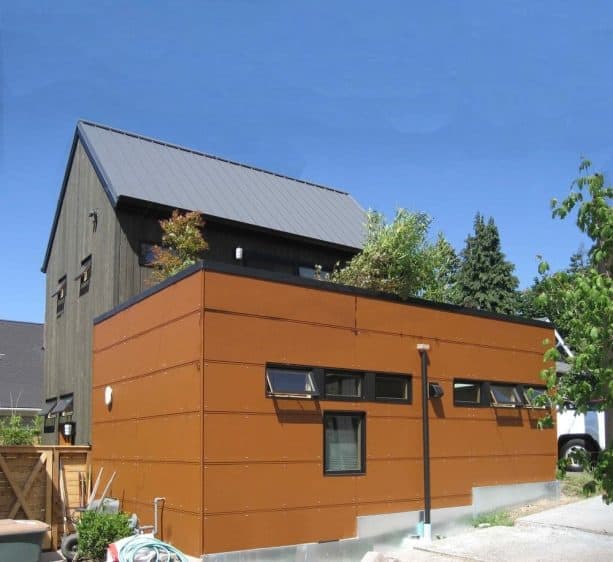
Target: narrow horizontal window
<point>504,395</point>
<point>467,393</point>
<point>313,273</point>
<point>290,383</point>
<point>532,396</point>
<point>344,443</point>
<point>392,388</point>
<point>343,385</point>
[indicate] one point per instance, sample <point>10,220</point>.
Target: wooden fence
<point>33,481</point>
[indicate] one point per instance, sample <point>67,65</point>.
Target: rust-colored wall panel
<point>168,345</point>
<point>174,301</point>
<point>283,527</point>
<point>151,394</point>
<point>191,420</point>
<point>270,299</point>
<point>397,318</point>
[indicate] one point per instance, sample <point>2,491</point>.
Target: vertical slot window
<point>60,295</point>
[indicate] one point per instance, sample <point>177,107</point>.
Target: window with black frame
<point>504,395</point>
<point>343,385</point>
<point>344,443</point>
<point>467,393</point>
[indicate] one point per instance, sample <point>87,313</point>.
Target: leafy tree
<point>485,279</point>
<point>586,309</point>
<point>398,258</point>
<point>182,244</point>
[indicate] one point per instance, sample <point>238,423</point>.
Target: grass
<point>495,519</point>
<point>579,485</point>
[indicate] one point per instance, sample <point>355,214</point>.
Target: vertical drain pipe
<point>423,349</point>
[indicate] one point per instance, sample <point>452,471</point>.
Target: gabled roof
<point>21,364</point>
<point>134,167</point>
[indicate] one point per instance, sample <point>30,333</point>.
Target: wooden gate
<point>35,480</point>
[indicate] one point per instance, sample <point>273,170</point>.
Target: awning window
<point>60,290</point>
<point>290,383</point>
<point>63,405</point>
<point>505,395</point>
<point>49,405</point>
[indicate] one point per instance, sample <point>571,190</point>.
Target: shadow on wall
<point>297,411</point>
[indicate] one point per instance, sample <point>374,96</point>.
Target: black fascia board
<point>161,210</point>
<point>287,279</point>
<point>79,135</point>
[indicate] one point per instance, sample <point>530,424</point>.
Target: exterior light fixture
<point>67,429</point>
<point>108,396</point>
<point>238,253</point>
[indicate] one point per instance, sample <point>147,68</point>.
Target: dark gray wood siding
<point>68,337</point>
<point>117,274</point>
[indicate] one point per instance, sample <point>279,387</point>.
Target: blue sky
<point>446,107</point>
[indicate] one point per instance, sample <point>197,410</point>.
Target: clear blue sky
<point>446,107</point>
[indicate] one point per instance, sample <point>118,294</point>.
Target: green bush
<point>98,530</point>
<point>14,431</point>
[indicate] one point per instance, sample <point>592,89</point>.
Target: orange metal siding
<point>241,470</point>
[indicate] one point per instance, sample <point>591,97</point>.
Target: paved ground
<point>578,531</point>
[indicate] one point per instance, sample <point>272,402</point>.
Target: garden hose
<point>150,546</point>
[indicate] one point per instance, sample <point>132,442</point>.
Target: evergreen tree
<point>485,279</point>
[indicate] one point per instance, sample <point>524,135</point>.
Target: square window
<point>290,383</point>
<point>343,385</point>
<point>467,393</point>
<point>396,388</point>
<point>504,395</point>
<point>344,443</point>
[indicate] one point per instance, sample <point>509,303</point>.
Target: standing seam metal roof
<point>151,170</point>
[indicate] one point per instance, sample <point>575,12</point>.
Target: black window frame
<point>523,390</point>
<point>387,400</point>
<point>60,294</point>
<point>85,274</point>
<point>323,373</point>
<point>484,396</point>
<point>361,443</point>
<point>515,386</point>
<point>292,396</point>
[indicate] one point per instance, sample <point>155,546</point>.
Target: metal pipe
<point>155,514</point>
<point>423,352</point>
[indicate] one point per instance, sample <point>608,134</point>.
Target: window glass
<point>344,385</point>
<point>391,387</point>
<point>313,273</point>
<point>146,254</point>
<point>532,394</point>
<point>343,443</point>
<point>290,382</point>
<point>504,395</point>
<point>467,392</point>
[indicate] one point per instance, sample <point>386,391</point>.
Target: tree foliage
<point>585,301</point>
<point>398,258</point>
<point>485,279</point>
<point>182,244</point>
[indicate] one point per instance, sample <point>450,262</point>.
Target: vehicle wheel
<point>571,447</point>
<point>69,546</point>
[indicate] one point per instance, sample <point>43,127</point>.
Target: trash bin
<point>21,539</point>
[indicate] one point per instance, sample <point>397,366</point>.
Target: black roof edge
<point>79,135</point>
<point>124,201</point>
<point>242,271</point>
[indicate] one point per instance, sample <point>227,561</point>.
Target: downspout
<point>423,352</point>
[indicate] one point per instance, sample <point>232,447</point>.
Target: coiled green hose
<point>132,546</point>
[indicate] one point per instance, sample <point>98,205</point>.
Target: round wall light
<point>108,396</point>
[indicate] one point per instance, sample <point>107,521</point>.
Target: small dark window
<point>48,417</point>
<point>343,385</point>
<point>290,383</point>
<point>60,295</point>
<point>504,395</point>
<point>314,273</point>
<point>394,388</point>
<point>146,254</point>
<point>85,274</point>
<point>467,393</point>
<point>344,443</point>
